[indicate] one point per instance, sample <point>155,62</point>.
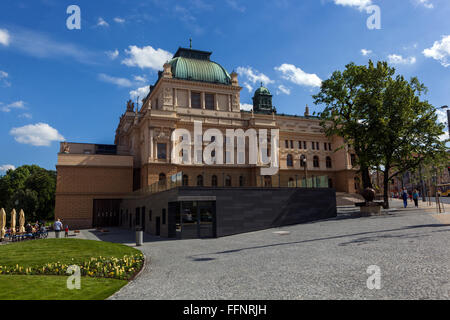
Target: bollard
<point>139,237</point>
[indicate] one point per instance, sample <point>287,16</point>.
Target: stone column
<point>203,100</point>
<point>152,147</point>
<point>175,99</point>
<point>216,101</point>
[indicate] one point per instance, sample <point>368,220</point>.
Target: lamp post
<point>305,165</point>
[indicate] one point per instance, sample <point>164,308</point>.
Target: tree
<point>34,189</point>
<point>407,131</point>
<point>348,97</point>
<point>383,118</point>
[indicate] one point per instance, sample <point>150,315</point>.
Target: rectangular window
<point>300,145</point>
<point>286,144</point>
<point>313,145</point>
<point>292,144</point>
<point>196,100</point>
<point>162,152</point>
<point>209,102</point>
<point>325,146</point>
<point>163,216</point>
<point>138,216</point>
<point>329,146</point>
<point>149,215</point>
<point>318,146</point>
<point>304,145</point>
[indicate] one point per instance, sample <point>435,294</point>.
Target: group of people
<point>58,227</point>
<point>413,196</point>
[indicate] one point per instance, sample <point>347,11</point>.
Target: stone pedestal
<point>369,209</point>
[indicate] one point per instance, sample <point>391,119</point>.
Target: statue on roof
<point>130,106</point>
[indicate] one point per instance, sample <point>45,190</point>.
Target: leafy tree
<point>383,118</point>
<point>34,189</point>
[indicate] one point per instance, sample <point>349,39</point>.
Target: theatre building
<point>134,182</point>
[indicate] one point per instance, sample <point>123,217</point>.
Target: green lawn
<point>39,252</point>
<point>55,288</point>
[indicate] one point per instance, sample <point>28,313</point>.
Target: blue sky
<point>57,83</point>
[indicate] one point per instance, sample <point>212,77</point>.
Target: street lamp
<point>305,165</point>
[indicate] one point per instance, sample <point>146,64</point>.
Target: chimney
<point>307,111</point>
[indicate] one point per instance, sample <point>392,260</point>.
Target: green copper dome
<point>262,91</point>
<point>195,65</point>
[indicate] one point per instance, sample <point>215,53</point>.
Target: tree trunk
<point>386,187</point>
<point>367,183</point>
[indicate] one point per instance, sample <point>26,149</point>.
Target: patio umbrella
<point>21,221</point>
<point>13,221</point>
<point>2,223</point>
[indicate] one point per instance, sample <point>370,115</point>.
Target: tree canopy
<point>384,118</point>
<point>30,188</point>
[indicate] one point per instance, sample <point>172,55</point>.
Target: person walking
<point>416,198</point>
<point>57,226</point>
<point>405,197</point>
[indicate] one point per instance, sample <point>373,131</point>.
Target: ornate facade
<point>191,88</point>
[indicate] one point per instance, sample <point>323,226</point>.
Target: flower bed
<point>118,268</point>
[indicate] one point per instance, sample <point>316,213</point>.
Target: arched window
<point>162,178</point>
<point>241,181</point>
<point>228,181</point>
<point>302,161</point>
<point>214,181</point>
<point>316,162</point>
<point>199,181</point>
<point>289,160</point>
<point>185,180</point>
<point>329,164</point>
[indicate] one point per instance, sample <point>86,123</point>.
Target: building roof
<point>262,91</point>
<point>195,65</point>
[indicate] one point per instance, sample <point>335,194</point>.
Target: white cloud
<point>360,4</point>
<point>119,20</point>
<point>399,59</point>
<point>366,52</point>
<point>426,3</point>
<point>121,82</point>
<point>440,51</point>
<point>283,89</point>
<point>147,57</point>
<point>140,93</point>
<point>6,167</point>
<point>442,115</point>
<point>140,79</point>
<point>26,115</point>
<point>40,134</point>
<point>3,79</point>
<point>298,76</point>
<point>102,23</point>
<point>254,76</point>
<point>248,87</point>
<point>4,37</point>
<point>112,54</point>
<point>246,107</point>
<point>234,4</point>
<point>15,105</point>
<point>40,45</point>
